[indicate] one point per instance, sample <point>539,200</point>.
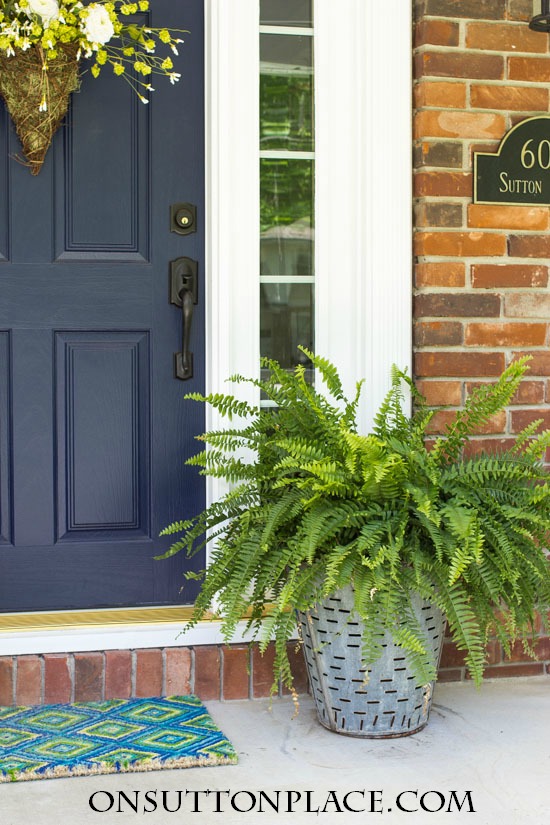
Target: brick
<point>451,675</point>
<point>443,419</point>
<point>439,153</point>
<point>505,671</point>
<point>436,33</point>
<point>541,648</point>
<point>298,668</point>
<point>441,393</point>
<point>448,273</point>
<point>262,671</point>
<point>531,69</point>
<point>178,671</point>
<point>207,672</point>
<point>28,689</point>
<point>440,215</point>
<point>539,363</point>
<point>456,304</point>
<point>236,672</point>
<point>504,37</point>
<point>460,244</point>
<point>6,680</point>
<point>458,364</point>
<point>521,10</point>
<point>452,657</point>
<point>459,64</point>
<point>528,392</point>
<point>505,335</point>
<point>441,94</point>
<point>118,674</point>
<point>149,672</point>
<point>456,124</point>
<point>529,246</point>
<point>57,679</point>
<point>508,217</point>
<point>454,184</point>
<point>510,98</point>
<point>487,446</point>
<point>522,418</point>
<point>438,333</point>
<point>484,9</point>
<point>527,305</point>
<point>88,677</point>
<point>491,276</point>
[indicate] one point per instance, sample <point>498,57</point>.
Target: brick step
<point>210,671</point>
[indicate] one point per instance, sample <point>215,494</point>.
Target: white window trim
<point>364,194</point>
<point>363,226</point>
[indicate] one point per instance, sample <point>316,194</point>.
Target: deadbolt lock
<point>183,218</point>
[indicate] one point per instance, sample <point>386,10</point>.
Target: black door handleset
<point>184,294</point>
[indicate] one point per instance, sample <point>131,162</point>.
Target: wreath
<point>44,45</point>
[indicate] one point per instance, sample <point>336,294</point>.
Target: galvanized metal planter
<point>390,704</point>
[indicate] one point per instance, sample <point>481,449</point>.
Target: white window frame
<point>363,230</point>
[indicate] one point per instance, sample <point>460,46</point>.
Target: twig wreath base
<point>23,78</point>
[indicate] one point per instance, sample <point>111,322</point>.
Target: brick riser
<point>210,672</point>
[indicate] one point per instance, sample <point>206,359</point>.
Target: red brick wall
<point>209,671</point>
<point>481,272</point>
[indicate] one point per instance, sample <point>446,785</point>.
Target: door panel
<point>5,463</point>
<point>93,426</point>
<point>103,434</point>
<point>113,173</point>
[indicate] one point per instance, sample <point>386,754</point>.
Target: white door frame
<point>363,228</point>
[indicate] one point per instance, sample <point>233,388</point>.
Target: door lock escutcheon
<point>184,294</point>
<point>183,218</point>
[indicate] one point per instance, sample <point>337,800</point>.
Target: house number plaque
<point>519,173</point>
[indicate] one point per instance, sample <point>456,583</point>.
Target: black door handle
<point>184,294</point>
<point>184,359</point>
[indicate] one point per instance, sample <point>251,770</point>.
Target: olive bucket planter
<point>354,530</point>
<point>382,701</point>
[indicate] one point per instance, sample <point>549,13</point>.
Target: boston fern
<point>320,506</point>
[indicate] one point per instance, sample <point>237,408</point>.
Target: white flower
<point>48,10</point>
<point>97,26</point>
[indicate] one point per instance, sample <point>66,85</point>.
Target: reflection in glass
<point>287,217</point>
<point>286,13</point>
<point>286,322</point>
<point>286,93</point>
<point>286,189</point>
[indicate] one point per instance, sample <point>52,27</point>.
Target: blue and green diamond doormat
<point>117,736</point>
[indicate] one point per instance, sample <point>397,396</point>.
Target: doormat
<point>117,736</point>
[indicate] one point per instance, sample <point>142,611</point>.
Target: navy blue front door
<point>93,426</point>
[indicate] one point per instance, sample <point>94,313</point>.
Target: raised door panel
<point>102,183</point>
<point>4,186</point>
<point>6,493</point>
<point>103,435</point>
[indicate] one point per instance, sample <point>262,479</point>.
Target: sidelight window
<point>287,188</point>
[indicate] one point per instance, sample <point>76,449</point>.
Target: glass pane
<point>287,217</point>
<point>286,93</point>
<point>286,13</point>
<point>286,321</point>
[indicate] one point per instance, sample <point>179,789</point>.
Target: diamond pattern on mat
<point>102,737</point>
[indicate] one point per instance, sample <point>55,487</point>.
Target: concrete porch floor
<point>493,742</point>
